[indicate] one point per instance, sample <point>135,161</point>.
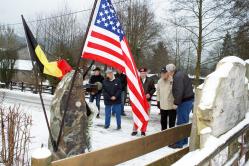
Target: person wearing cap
<point>97,78</point>
<point>165,100</point>
<point>183,94</point>
<point>149,90</point>
<point>112,98</point>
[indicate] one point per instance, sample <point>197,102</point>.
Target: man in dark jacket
<point>123,80</point>
<point>112,98</point>
<point>148,84</point>
<point>149,90</point>
<point>97,78</point>
<point>183,94</point>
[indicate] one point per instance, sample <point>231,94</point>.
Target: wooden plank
<point>129,150</point>
<point>170,159</point>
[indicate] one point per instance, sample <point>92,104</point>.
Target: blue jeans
<point>97,97</point>
<point>108,110</point>
<point>183,111</point>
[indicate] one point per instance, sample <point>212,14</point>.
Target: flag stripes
<point>106,43</point>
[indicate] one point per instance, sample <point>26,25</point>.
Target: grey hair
<point>171,68</point>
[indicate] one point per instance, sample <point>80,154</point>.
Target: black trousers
<point>165,114</point>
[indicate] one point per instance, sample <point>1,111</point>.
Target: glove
<point>158,105</point>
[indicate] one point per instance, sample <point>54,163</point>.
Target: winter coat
<point>112,88</point>
<point>149,87</point>
<point>164,94</point>
<point>95,79</point>
<point>182,88</point>
<point>123,80</point>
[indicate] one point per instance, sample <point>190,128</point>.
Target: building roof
<point>23,65</point>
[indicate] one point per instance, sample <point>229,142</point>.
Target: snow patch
<point>23,65</point>
<point>41,153</point>
<point>232,59</point>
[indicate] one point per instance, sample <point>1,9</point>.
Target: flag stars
<point>103,6</point>
<point>106,24</point>
<point>118,24</point>
<point>101,14</point>
<point>106,12</point>
<point>114,28</point>
<point>103,19</point>
<point>109,17</point>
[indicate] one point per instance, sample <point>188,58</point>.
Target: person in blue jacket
<point>112,90</point>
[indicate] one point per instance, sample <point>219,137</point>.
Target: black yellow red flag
<point>56,68</point>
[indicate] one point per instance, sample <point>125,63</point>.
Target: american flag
<point>107,44</point>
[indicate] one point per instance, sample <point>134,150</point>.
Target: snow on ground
<point>101,137</point>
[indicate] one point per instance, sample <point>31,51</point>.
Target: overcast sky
<point>10,10</point>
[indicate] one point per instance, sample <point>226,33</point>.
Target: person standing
<point>112,98</point>
<point>149,90</point>
<point>165,100</point>
<point>123,80</point>
<point>183,94</point>
<point>97,78</point>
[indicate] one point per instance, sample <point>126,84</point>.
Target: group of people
<point>174,91</point>
<point>175,99</point>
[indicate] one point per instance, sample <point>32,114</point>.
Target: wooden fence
<point>48,89</point>
<point>132,149</point>
<point>22,86</point>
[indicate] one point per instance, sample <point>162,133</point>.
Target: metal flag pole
<point>37,86</point>
<point>75,74</point>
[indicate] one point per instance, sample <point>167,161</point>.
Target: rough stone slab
<point>73,140</point>
<point>222,101</point>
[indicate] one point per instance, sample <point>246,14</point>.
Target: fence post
<point>52,90</point>
<point>204,135</point>
<point>22,87</point>
<point>41,157</point>
<point>10,85</point>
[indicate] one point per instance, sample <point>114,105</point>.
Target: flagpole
<point>75,74</point>
<point>39,90</point>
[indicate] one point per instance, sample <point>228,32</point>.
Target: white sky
<point>10,10</point>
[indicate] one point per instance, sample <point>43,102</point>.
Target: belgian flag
<point>56,68</point>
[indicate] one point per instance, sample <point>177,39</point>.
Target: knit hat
<point>171,68</point>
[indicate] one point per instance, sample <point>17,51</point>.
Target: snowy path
<point>100,137</point>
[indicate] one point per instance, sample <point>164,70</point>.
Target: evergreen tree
<point>242,42</point>
<point>159,58</point>
<point>227,46</point>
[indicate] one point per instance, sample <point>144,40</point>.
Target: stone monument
<point>222,101</point>
<point>74,134</point>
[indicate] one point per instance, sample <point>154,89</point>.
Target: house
<point>22,70</point>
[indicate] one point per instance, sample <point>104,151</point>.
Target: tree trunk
<point>199,46</point>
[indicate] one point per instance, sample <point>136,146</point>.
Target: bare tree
<point>8,53</point>
<point>140,26</point>
<point>61,36</point>
<point>204,20</point>
<point>15,136</point>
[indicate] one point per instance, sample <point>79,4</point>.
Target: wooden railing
<point>237,148</point>
<point>22,86</point>
<point>130,150</point>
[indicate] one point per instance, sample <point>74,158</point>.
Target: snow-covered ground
<point>100,137</point>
